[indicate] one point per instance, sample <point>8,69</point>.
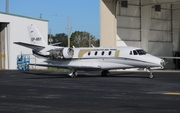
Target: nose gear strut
<point>150,72</point>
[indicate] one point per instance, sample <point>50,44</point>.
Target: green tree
<point>96,42</point>
<point>61,37</point>
<point>83,39</point>
<point>78,39</point>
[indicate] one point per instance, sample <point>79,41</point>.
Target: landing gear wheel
<point>151,75</point>
<point>73,74</point>
<point>104,73</point>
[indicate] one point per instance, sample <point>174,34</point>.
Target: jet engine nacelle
<point>62,53</point>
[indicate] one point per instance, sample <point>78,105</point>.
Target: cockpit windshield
<point>141,52</point>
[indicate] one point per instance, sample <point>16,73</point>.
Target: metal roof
<point>23,16</point>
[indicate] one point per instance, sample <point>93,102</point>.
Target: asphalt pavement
<point>120,92</point>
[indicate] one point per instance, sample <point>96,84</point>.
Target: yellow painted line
<point>172,93</point>
<point>3,55</point>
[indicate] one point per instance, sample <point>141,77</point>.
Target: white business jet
<point>92,58</point>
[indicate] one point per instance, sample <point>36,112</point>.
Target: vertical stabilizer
<point>35,36</point>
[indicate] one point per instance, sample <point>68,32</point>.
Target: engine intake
<point>61,53</point>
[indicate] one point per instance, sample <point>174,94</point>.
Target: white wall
<point>17,32</point>
<point>107,23</point>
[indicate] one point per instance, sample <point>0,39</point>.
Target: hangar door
<point>3,36</point>
<point>157,19</point>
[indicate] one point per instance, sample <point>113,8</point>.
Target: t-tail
<point>35,36</point>
<point>37,42</point>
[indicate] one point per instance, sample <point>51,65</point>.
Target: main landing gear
<point>104,73</point>
<point>73,74</point>
<point>150,73</point>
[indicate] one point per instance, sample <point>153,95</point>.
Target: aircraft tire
<point>104,73</point>
<point>75,74</point>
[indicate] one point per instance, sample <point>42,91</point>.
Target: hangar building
<point>13,28</point>
<point>153,25</point>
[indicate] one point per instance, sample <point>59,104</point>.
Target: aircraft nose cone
<point>162,63</point>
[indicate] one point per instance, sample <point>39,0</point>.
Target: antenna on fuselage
<point>92,45</point>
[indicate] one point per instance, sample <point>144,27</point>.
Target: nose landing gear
<point>73,74</point>
<point>150,73</point>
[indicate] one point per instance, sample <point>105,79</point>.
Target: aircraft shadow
<point>52,75</point>
<point>45,75</point>
<point>128,75</point>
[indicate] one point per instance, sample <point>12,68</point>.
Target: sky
<point>83,14</point>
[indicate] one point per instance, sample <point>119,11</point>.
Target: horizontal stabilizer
<point>55,44</point>
<point>31,46</point>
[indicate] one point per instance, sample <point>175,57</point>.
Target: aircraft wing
<point>31,46</point>
<point>69,67</point>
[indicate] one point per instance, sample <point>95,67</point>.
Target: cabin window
<point>135,52</point>
<point>102,53</point>
<point>95,53</point>
<point>130,53</point>
<point>109,52</point>
<point>89,53</point>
